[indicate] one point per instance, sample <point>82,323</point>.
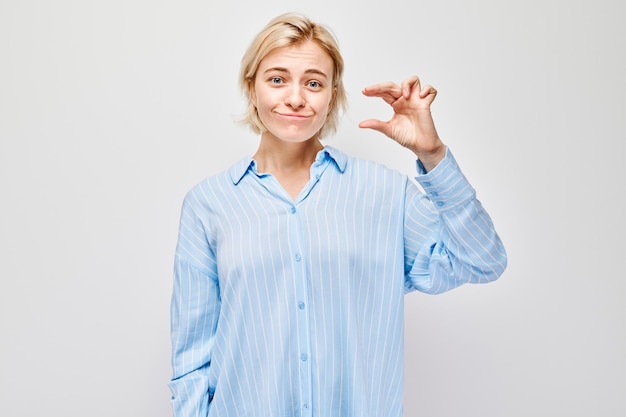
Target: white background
<point>111,110</point>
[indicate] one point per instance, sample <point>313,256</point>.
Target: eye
<point>314,84</point>
<point>276,80</point>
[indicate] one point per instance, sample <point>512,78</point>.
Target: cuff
<point>445,185</point>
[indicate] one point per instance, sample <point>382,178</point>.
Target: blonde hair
<point>291,29</point>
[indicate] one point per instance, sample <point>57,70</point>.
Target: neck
<point>278,157</point>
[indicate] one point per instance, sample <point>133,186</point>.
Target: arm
<point>195,310</point>
<point>450,239</point>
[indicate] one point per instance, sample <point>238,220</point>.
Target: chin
<point>295,137</point>
<point>302,139</point>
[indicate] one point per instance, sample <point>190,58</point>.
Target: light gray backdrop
<point>111,110</point>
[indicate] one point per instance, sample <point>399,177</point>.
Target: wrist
<point>432,158</point>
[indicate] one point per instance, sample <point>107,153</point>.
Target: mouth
<point>294,116</point>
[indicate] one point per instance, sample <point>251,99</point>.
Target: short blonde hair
<point>291,29</point>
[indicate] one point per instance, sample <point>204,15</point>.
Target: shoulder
<point>217,187</point>
<point>363,167</point>
<point>370,178</point>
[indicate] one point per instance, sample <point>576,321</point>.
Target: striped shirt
<point>287,307</point>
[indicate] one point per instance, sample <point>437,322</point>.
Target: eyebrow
<point>309,71</point>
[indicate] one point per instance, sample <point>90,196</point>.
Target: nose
<point>295,98</point>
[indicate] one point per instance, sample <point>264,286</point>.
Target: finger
<point>389,97</point>
<point>378,90</point>
<point>410,85</point>
<point>377,125</point>
<point>429,93</point>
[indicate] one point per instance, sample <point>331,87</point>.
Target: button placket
<point>298,245</point>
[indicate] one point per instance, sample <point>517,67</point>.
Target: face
<point>293,91</point>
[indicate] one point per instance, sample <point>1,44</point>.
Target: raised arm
<point>450,239</point>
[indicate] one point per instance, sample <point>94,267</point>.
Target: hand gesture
<point>412,124</point>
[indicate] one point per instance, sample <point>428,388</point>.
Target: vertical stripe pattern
<point>295,308</point>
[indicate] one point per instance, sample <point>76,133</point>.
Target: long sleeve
<point>450,239</point>
<point>306,317</point>
<point>195,308</point>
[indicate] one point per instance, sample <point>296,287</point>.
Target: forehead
<point>303,56</point>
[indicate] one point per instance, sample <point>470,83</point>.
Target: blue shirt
<point>295,308</point>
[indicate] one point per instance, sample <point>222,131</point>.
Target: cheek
<point>264,98</point>
<point>325,105</point>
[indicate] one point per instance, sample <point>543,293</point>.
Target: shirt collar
<point>247,164</point>
<point>339,158</point>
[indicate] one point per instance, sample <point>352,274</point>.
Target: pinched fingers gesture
<point>412,124</point>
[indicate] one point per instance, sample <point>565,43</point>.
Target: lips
<point>294,116</point>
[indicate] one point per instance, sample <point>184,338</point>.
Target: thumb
<point>377,125</point>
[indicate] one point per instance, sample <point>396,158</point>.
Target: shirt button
<point>301,305</point>
<point>434,193</point>
<point>303,357</point>
<point>305,406</point>
<point>293,210</point>
<point>427,184</point>
<point>298,257</point>
<point>440,203</point>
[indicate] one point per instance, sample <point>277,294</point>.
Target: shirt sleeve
<point>195,308</point>
<point>450,239</point>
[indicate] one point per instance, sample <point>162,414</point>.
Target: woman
<point>291,266</point>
